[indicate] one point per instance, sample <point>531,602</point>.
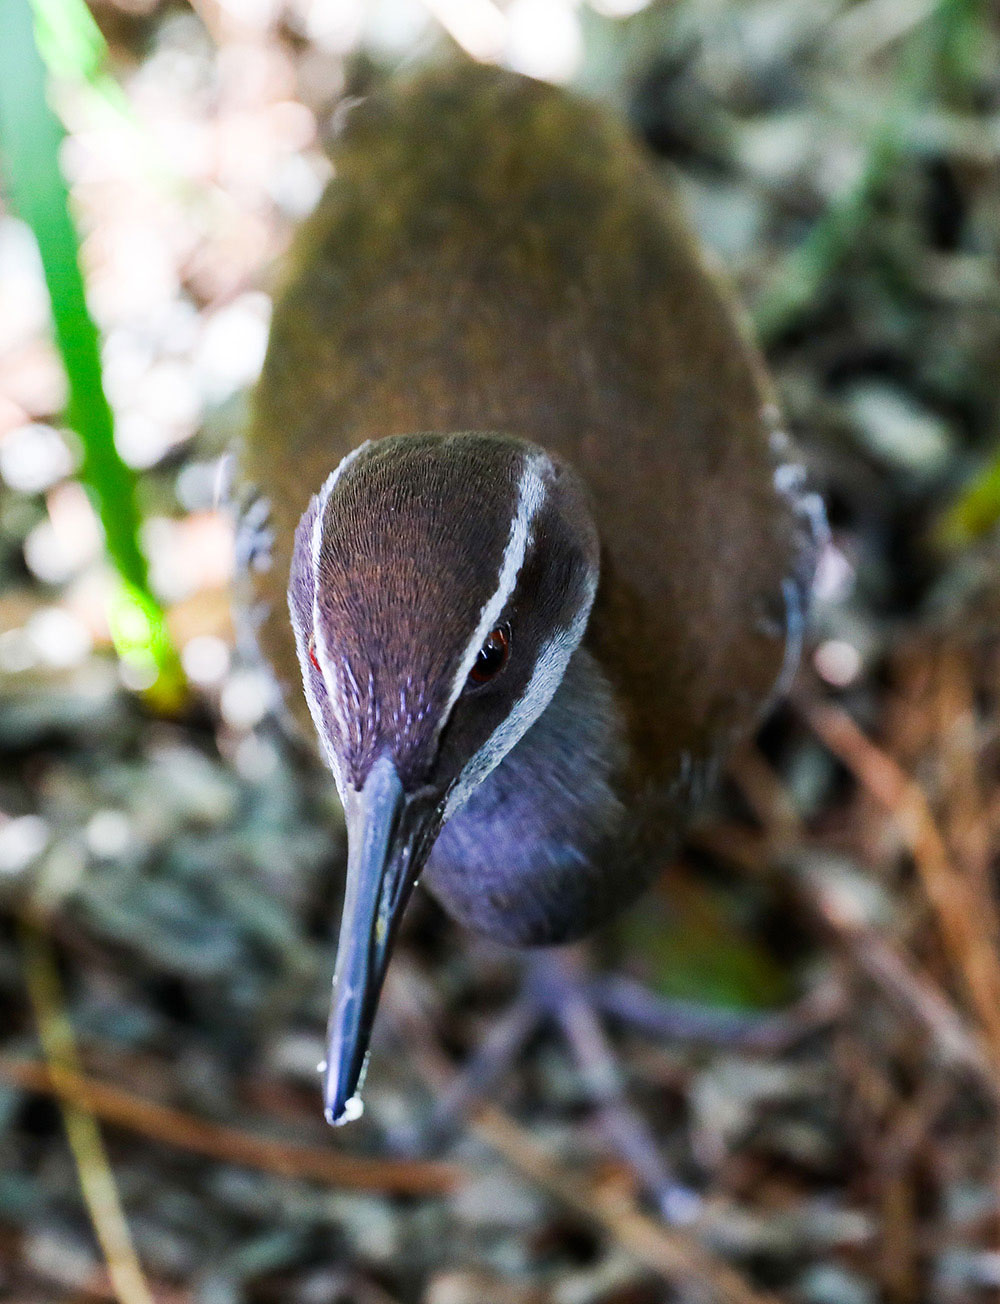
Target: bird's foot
<point>557,989</point>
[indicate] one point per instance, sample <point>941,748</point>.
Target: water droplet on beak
<point>352,1111</point>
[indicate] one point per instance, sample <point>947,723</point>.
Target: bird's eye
<point>312,652</point>
<point>492,656</point>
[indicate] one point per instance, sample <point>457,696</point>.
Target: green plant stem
<point>30,140</point>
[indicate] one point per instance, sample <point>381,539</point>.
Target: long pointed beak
<point>388,835</point>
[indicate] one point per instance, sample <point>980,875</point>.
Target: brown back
<point>495,254</point>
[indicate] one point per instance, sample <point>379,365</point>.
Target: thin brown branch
<point>94,1171</point>
<point>949,892</point>
<point>872,953</point>
<point>184,1131</point>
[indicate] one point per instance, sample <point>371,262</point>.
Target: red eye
<point>492,657</point>
<point>312,651</point>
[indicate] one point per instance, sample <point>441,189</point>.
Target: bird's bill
<point>387,836</point>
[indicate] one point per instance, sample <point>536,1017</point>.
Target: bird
<point>528,548</point>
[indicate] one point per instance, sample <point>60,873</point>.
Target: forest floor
<point>169,887</point>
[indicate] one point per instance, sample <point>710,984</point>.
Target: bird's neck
<point>525,860</point>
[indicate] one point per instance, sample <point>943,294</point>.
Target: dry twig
<point>97,1182</point>
<point>872,952</point>
<point>951,896</point>
<point>200,1136</point>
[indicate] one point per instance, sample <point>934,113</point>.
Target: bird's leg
<point>629,1002</point>
<point>566,997</point>
<point>491,1060</point>
<point>458,1095</point>
<point>554,987</point>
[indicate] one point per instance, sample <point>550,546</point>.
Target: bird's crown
<point>438,588</point>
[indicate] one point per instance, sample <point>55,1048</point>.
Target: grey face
<point>439,586</point>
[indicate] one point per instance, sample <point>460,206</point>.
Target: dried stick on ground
<point>97,1182</point>
<point>960,919</point>
<point>172,1127</point>
<point>873,953</point>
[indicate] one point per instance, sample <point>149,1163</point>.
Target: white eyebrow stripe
<point>530,496</point>
<point>328,666</point>
<point>316,706</point>
<point>550,666</point>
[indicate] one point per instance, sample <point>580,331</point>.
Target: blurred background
<point>170,869</point>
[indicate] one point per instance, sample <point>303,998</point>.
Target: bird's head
<point>439,586</point>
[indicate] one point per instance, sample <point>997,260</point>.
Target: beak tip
<point>342,1091</point>
<point>339,1112</point>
